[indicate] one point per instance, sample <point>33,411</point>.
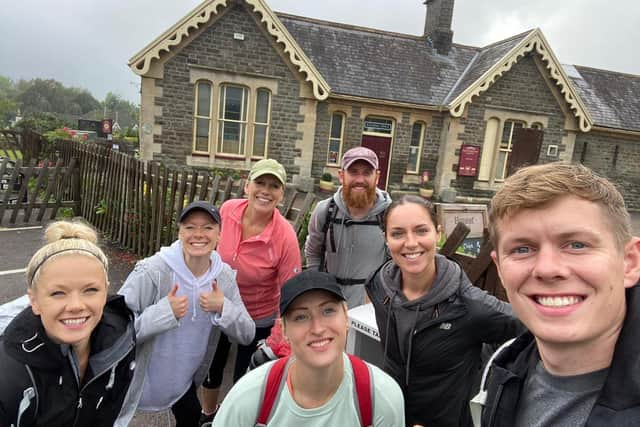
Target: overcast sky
<point>87,43</point>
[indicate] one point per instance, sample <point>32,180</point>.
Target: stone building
<point>233,82</point>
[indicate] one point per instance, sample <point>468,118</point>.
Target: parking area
<point>16,247</point>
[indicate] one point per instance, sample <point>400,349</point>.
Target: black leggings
<point>216,370</point>
<point>187,410</point>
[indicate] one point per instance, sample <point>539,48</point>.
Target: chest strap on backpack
<point>276,381</point>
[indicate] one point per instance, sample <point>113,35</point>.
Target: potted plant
<point>326,182</point>
<point>426,189</point>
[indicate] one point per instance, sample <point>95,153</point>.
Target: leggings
<point>216,370</point>
<point>187,410</point>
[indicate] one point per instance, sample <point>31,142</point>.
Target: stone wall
<point>401,140</point>
<point>217,49</point>
<point>522,90</point>
<point>615,157</point>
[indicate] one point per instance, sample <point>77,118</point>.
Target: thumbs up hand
<point>212,301</point>
<point>179,305</point>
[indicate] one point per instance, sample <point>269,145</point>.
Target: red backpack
<point>276,381</point>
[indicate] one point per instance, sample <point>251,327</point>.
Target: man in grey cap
<point>345,231</point>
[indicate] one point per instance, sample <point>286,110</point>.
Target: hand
<point>212,301</point>
<point>179,305</point>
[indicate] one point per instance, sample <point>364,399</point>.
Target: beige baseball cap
<point>268,167</point>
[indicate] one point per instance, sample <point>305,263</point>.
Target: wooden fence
<point>136,203</point>
<point>37,192</point>
<point>480,269</point>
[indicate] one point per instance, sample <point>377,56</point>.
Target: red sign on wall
<point>107,126</point>
<point>468,163</point>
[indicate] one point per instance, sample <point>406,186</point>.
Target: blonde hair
<point>65,238</point>
<point>534,187</point>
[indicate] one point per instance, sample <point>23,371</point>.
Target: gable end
<point>141,62</point>
<point>535,41</point>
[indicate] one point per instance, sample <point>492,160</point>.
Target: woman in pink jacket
<point>260,244</point>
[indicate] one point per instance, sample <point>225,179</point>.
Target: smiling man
<point>566,257</point>
<point>345,231</point>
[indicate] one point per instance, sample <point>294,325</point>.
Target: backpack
<point>276,381</point>
<point>329,220</point>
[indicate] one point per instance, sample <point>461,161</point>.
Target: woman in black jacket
<point>432,320</point>
<point>68,359</point>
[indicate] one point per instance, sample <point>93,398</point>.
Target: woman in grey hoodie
<point>183,297</point>
<point>432,320</point>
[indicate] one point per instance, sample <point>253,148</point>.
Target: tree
<point>8,105</point>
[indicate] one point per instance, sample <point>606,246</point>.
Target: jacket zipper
<point>98,375</point>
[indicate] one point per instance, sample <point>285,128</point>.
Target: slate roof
<point>613,99</point>
<point>369,63</point>
<point>486,58</point>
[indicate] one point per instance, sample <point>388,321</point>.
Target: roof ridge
<point>363,29</point>
<point>347,26</point>
<point>508,39</point>
<point>622,73</point>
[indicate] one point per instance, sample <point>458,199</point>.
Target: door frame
<point>390,136</point>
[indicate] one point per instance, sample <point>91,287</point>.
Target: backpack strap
<point>328,226</point>
<point>364,390</point>
<point>275,381</point>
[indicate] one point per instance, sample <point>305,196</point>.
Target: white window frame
<point>339,140</point>
<point>256,123</point>
<point>423,132</point>
<point>495,120</point>
<point>197,117</point>
<point>507,150</point>
<point>244,124</point>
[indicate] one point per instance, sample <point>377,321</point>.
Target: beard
<point>359,200</point>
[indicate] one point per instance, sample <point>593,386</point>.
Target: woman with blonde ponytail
<point>68,359</point>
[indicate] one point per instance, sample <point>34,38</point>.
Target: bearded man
<point>345,231</point>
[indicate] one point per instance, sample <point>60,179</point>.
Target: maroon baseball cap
<point>359,153</point>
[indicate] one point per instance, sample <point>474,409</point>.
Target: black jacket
<point>432,345</point>
<point>618,403</point>
<point>30,360</point>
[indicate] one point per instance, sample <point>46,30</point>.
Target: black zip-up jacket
<point>432,345</point>
<point>30,360</point>
<point>618,403</point>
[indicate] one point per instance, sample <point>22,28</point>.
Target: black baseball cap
<point>308,280</point>
<point>201,205</point>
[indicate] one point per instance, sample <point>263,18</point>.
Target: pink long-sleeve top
<point>263,262</point>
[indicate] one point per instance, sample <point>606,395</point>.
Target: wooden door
<point>382,147</point>
<point>525,148</point>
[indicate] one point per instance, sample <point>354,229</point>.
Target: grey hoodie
<point>179,347</point>
<point>359,250</point>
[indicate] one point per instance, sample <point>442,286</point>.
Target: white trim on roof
<point>535,40</point>
<point>174,36</point>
